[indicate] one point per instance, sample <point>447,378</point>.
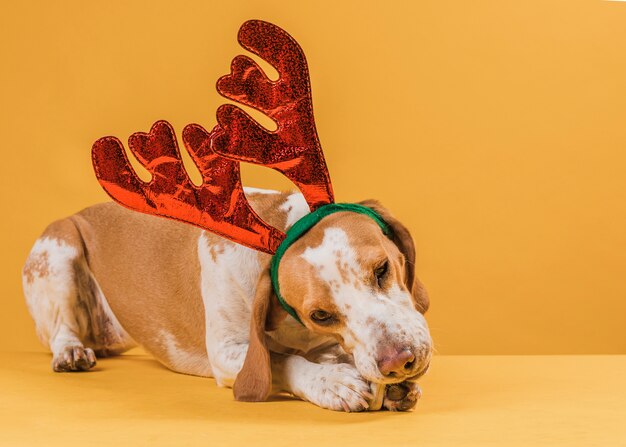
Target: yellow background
<point>495,130</point>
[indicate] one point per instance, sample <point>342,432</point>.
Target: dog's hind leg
<point>62,298</point>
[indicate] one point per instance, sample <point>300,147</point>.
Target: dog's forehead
<point>336,266</point>
<point>345,236</point>
<point>360,231</point>
<point>333,261</point>
<point>343,252</point>
<point>334,250</point>
<point>346,281</point>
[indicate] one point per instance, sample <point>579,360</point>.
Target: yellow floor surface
<point>467,400</point>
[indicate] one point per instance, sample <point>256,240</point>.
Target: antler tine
<point>294,148</point>
<point>218,205</point>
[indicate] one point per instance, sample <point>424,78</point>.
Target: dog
<point>107,279</point>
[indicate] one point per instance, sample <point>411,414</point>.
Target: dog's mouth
<point>400,379</point>
<point>420,373</point>
<point>412,378</point>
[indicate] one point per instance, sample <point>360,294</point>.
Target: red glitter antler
<point>218,205</point>
<point>294,148</point>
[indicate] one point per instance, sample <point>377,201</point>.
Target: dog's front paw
<point>336,387</point>
<point>402,396</point>
<point>73,358</point>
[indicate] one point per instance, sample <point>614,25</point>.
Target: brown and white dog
<point>107,278</point>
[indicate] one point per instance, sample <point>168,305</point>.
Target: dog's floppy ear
<point>403,240</point>
<point>254,381</point>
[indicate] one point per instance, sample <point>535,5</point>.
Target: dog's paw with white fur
<point>402,396</point>
<point>336,387</point>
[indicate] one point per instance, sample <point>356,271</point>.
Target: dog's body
<point>106,279</point>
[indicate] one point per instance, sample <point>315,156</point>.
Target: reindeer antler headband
<point>219,204</point>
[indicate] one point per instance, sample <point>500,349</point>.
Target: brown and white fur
<point>106,279</point>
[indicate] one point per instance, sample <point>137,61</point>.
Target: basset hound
<point>106,279</point>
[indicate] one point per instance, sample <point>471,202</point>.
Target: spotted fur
<point>107,278</point>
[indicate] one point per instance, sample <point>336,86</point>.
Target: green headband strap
<point>302,226</point>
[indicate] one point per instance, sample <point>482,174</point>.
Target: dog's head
<point>346,279</point>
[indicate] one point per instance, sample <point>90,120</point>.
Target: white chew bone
<point>378,390</point>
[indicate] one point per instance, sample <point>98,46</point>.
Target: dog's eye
<point>380,273</point>
<point>321,316</point>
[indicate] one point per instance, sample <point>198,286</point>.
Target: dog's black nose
<point>394,362</point>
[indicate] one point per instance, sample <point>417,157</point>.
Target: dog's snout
<point>396,362</point>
